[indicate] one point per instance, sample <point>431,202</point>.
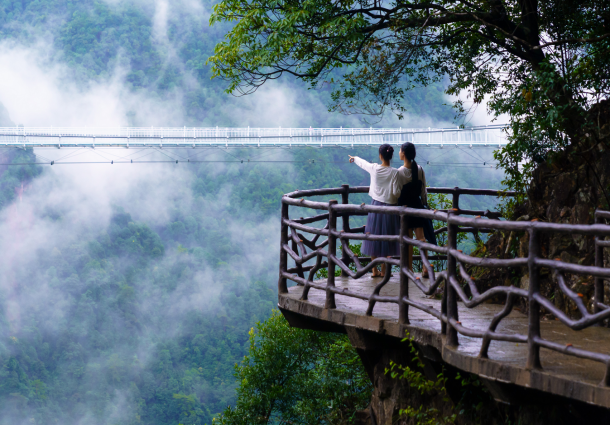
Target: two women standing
<point>385,189</point>
<point>390,187</point>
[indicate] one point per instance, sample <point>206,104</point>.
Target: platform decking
<point>561,374</point>
<point>568,357</point>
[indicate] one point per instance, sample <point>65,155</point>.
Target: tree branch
<point>572,40</point>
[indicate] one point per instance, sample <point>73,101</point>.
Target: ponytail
<point>414,171</point>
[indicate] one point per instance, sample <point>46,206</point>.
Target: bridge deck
<point>55,137</point>
<point>561,375</point>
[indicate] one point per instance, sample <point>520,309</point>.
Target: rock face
<point>392,394</point>
<point>567,188</point>
<point>459,399</point>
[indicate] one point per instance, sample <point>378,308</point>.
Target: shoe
<point>424,273</point>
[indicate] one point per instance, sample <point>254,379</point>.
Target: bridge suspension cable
<point>192,137</point>
<point>242,161</point>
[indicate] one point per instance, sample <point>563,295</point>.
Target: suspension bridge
<point>189,137</point>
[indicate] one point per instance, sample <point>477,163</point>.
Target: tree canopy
<point>92,40</point>
<point>296,376</point>
<point>545,64</point>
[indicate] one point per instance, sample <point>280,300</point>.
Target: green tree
<point>295,376</point>
<point>15,178</point>
<point>545,64</point>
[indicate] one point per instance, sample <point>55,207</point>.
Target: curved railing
<point>455,277</point>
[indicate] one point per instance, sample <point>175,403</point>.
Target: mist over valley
<point>127,291</point>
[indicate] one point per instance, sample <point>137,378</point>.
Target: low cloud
<point>36,92</point>
<point>70,205</point>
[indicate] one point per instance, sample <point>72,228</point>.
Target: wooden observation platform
<point>564,356</point>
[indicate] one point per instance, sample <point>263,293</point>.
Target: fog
<point>55,219</point>
<point>53,234</point>
<point>37,92</point>
<point>43,85</point>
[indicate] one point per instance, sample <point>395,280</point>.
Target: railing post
<point>282,285</point>
<point>299,267</point>
<point>452,309</point>
<point>533,353</point>
<point>345,200</point>
<point>444,308</point>
<point>599,281</point>
<point>332,250</point>
<point>456,198</point>
<point>403,292</point>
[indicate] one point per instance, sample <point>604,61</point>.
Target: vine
<point>473,398</point>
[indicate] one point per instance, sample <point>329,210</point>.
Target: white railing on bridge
<point>491,135</point>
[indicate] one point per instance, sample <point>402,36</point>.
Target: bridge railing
<point>491,135</point>
<point>322,247</point>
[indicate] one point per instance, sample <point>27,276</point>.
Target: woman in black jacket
<point>413,195</point>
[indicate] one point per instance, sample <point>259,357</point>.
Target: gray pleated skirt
<point>381,224</point>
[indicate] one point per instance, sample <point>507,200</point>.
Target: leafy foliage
<point>424,415</point>
<point>440,201</point>
<point>545,64</point>
<point>125,329</point>
<point>122,286</point>
<point>95,38</point>
<point>125,342</point>
<point>117,338</point>
<point>295,376</point>
<point>473,396</point>
<point>14,179</point>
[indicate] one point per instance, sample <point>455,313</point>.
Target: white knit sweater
<point>385,186</point>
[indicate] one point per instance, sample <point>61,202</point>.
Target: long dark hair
<point>386,151</point>
<point>408,150</point>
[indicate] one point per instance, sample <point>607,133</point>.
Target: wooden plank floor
<point>560,372</point>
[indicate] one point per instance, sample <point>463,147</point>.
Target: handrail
<point>491,135</point>
<point>456,275</point>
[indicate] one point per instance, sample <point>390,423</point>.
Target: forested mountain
<point>141,322</point>
<point>127,294</point>
<point>160,49</point>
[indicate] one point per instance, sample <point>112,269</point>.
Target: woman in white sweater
<point>385,190</point>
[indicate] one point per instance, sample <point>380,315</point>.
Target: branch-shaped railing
<point>455,278</point>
